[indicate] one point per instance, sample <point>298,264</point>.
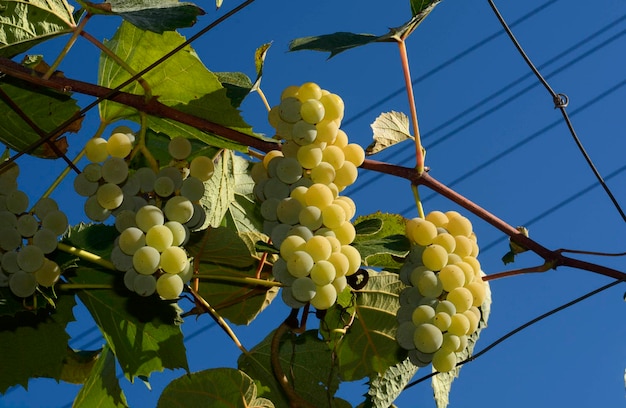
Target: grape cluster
<point>299,186</point>
<point>26,237</point>
<point>154,211</point>
<point>440,308</point>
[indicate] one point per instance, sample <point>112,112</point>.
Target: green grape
<point>169,286</point>
<point>164,186</point>
<point>30,258</point>
<point>132,185</point>
<point>284,130</point>
<point>346,175</point>
<point>287,296</point>
<point>44,206</point>
<point>462,299</point>
<point>273,116</point>
<point>326,131</point>
<point>119,145</point>
<point>311,217</point>
<point>309,90</point>
<point>333,216</point>
<point>48,274</point>
<point>459,324</point>
<point>288,170</point>
<point>300,264</point>
<point>478,291</point>
<point>309,156</point>
<point>323,273</point>
<point>459,225</point>
<point>84,187</point>
<point>318,247</point>
<point>22,284</point>
<point>323,173</point>
<point>281,274</point>
<point>187,272</point>
<point>114,170</point>
<point>422,314</point>
<point>351,212</point>
<point>56,221</point>
<point>445,240</point>
<point>179,148</point>
<point>198,218</point>
<point>301,231</point>
<point>303,133</point>
<point>96,150</point>
<point>421,231</point>
<point>144,285</point>
<point>304,182</point>
<point>279,233</point>
<point>303,289</point>
<point>427,338</point>
<point>319,195</point>
<point>258,172</point>
<point>340,283</point>
<point>345,233</point>
<point>270,156</point>
<point>146,260</point>
<point>269,209</point>
<point>9,262</point>
<point>444,361</point>
<point>8,177</point>
<point>289,109</point>
<point>354,154</point>
<point>27,225</point>
<point>201,167</point>
<point>451,277</point>
<point>120,260</point>
<point>180,234</point>
<point>146,177</point>
<point>125,219</point>
<point>334,156</point>
<point>148,216</point>
<point>129,279</point>
<point>10,239</point>
<point>159,237</point>
<point>288,210</point>
<point>259,190</point>
<point>291,244</point>
<point>451,342</point>
<point>325,297</point>
<point>429,284</point>
<point>131,239</point>
<point>416,273</point>
<point>333,106</point>
<point>109,196</point>
<point>445,306</point>
<point>340,263</point>
<point>17,202</point>
<point>405,335</point>
<point>275,188</point>
<point>442,321</point>
<point>174,174</point>
<point>92,172</point>
<point>354,258</point>
<point>435,257</point>
<point>46,240</point>
<point>193,189</point>
<point>473,320</point>
<point>312,111</point>
<point>174,260</point>
<point>467,269</point>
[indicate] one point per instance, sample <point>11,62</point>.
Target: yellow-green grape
<point>146,178</point>
<point>459,225</point>
<point>323,173</point>
<point>354,153</point>
<point>146,260</point>
<point>48,274</point>
<point>30,258</point>
<point>350,203</point>
<point>273,116</point>
<point>290,91</point>
<point>303,133</point>
<point>27,225</point>
<point>290,109</point>
<point>459,324</point>
<point>45,239</point>
<point>463,246</point>
<point>288,170</point>
<point>312,111</point>
<point>478,291</point>
<point>180,234</point>
<point>467,269</point>
<point>451,277</point>
<point>346,175</point>
<point>335,244</point>
<point>341,139</point>
<point>310,217</point>
<point>421,231</point>
<point>340,283</point>
<point>463,345</point>
<point>169,286</point>
<point>299,193</point>
<point>405,334</point>
<point>179,148</point>
<point>56,221</point>
<point>334,156</point>
<point>444,361</point>
<point>144,285</point>
<point>325,297</point>
<point>427,338</point>
<point>164,186</point>
<point>340,262</point>
<point>309,90</point>
<point>288,210</point>
<point>192,188</point>
<point>333,106</point>
<point>473,321</point>
<point>148,216</point>
<point>309,156</point>
<point>354,258</point>
<point>451,342</point>
<point>345,233</point>
<point>445,306</point>
<point>119,145</point>
<point>202,167</point>
<point>269,209</point>
<point>109,196</point>
<point>438,218</point>
<point>114,170</point>
<point>174,260</point>
<point>319,195</point>
<point>94,210</point>
<point>347,209</point>
<point>323,273</point>
<point>17,201</point>
<point>159,237</point>
<point>178,208</point>
<point>442,321</point>
<point>422,314</point>
<point>267,159</point>
<point>434,257</point>
<point>96,150</point>
<point>326,131</point>
<point>131,239</point>
<point>462,299</point>
<point>303,289</point>
<point>334,216</point>
<point>429,284</point>
<point>318,247</point>
<point>22,284</point>
<point>445,240</point>
<point>416,273</point>
<point>300,264</point>
<point>291,244</point>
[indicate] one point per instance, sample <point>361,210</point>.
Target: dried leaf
<point>389,129</point>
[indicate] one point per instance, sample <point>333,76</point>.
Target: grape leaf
<point>369,346</point>
<point>216,388</point>
<point>24,24</point>
<point>77,365</point>
<point>309,362</point>
<point>154,15</point>
<point>384,389</point>
<point>34,344</point>
<point>237,84</point>
<point>102,389</point>
<point>389,129</point>
<point>418,6</point>
<point>380,248</point>
<point>259,61</point>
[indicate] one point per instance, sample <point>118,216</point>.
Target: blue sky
<point>491,132</point>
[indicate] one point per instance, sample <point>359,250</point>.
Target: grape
<point>300,264</point>
<point>421,231</point>
<point>125,219</point>
<point>95,211</point>
<point>459,225</point>
<point>345,233</point>
<point>9,262</point>
<point>459,324</point>
<point>46,240</point>
<point>333,106</point>
<point>444,361</point>
<point>323,173</point>
<point>27,225</point>
<point>56,221</point>
<point>271,155</point>
<point>347,200</point>
<point>22,284</point>
<point>462,299</point>
<point>334,156</point>
<point>445,240</point>
<point>30,258</point>
<point>174,260</point>
<point>346,174</point>
<point>451,277</point>
<point>318,247</point>
<point>291,244</point>
<point>451,342</point>
<point>198,218</point>
<point>96,150</point>
<point>303,133</point>
<point>281,274</point>
<point>275,188</point>
<point>288,210</point>
<point>442,321</point>
<point>326,131</point>
<point>288,170</point>
<point>269,209</point>
<point>202,167</point>
<point>473,320</point>
<point>109,196</point>
<point>180,234</point>
<point>340,263</point>
<point>84,187</point>
<point>44,206</point>
<point>148,216</point>
<point>445,306</point>
<point>405,335</point>
<point>131,239</point>
<point>129,279</point>
<point>119,145</point>
<point>179,148</point>
<point>144,285</point>
<point>341,139</point>
<point>120,260</point>
<point>159,237</point>
<point>192,188</point>
<point>309,156</point>
<point>164,186</point>
<point>310,217</point>
<point>478,291</point>
<point>427,338</point>
<point>309,90</point>
<point>467,269</point>
<point>17,202</point>
<point>273,116</point>
<point>319,195</point>
<point>289,109</point>
<point>187,272</point>
<point>146,260</point>
<point>114,170</point>
<point>303,289</point>
<point>354,154</point>
<point>422,314</point>
<point>4,280</point>
<point>312,111</point>
<point>169,286</point>
<point>429,284</point>
<point>333,216</point>
<point>48,274</point>
<point>325,297</point>
<point>463,246</point>
<point>435,257</point>
<point>289,300</point>
<point>8,178</point>
<point>354,258</point>
<point>10,239</point>
<point>146,177</point>
<point>323,273</point>
<point>284,130</point>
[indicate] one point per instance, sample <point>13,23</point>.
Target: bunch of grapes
<point>305,217</point>
<point>441,307</point>
<point>154,211</point>
<point>26,237</point>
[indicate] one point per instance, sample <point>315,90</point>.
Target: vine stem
<point>83,286</point>
<point>244,280</point>
<point>70,43</point>
<point>418,201</point>
<point>263,98</point>
<point>87,256</point>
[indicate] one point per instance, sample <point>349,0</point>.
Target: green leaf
<point>237,84</point>
<point>77,365</point>
<point>442,382</point>
<point>380,248</point>
<point>24,24</point>
<point>368,226</point>
<point>384,389</point>
<point>102,389</point>
<point>259,61</point>
<point>369,346</point>
<point>419,6</point>
<point>34,344</point>
<point>46,109</point>
<point>309,362</point>
<point>215,388</point>
<point>389,129</point>
<point>181,82</point>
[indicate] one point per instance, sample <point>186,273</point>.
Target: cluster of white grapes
<point>441,307</point>
<point>305,217</point>
<point>154,211</point>
<point>26,237</point>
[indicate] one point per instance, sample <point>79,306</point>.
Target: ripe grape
<point>169,286</point>
<point>319,195</point>
<point>96,150</point>
<point>325,297</point>
<point>303,289</point>
<point>202,167</point>
<point>9,262</point>
<point>309,90</point>
<point>84,187</point>
<point>119,145</point>
<point>346,175</point>
<point>405,335</point>
<point>48,274</point>
<point>109,196</point>
<point>444,361</point>
<point>27,225</point>
<point>114,170</point>
<point>333,106</point>
<point>46,240</point>
<point>435,257</point>
<point>340,263</point>
<point>17,202</point>
<point>174,260</point>
<point>427,338</point>
<point>144,285</point>
<point>192,188</point>
<point>312,111</point>
<point>334,156</point>
<point>146,260</point>
<point>159,237</point>
<point>334,216</point>
<point>291,244</point>
<point>462,299</point>
<point>300,264</point>
<point>164,186</point>
<point>354,154</point>
<point>318,247</point>
<point>10,239</point>
<point>459,324</point>
<point>354,258</point>
<point>180,234</point>
<point>303,133</point>
<point>326,131</point>
<point>459,225</point>
<point>22,284</point>
<point>323,273</point>
<point>451,277</point>
<point>120,260</point>
<point>323,173</point>
<point>311,217</point>
<point>56,221</point>
<point>288,210</point>
<point>288,170</point>
<point>422,314</point>
<point>146,177</point>
<point>148,216</point>
<point>30,258</point>
<point>179,148</point>
<point>345,233</point>
<point>289,109</point>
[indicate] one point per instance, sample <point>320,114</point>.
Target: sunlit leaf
<point>102,389</point>
<point>384,389</point>
<point>259,61</point>
<point>389,129</point>
<point>419,6</point>
<point>389,241</point>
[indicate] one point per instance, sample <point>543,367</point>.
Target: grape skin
<point>169,286</point>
